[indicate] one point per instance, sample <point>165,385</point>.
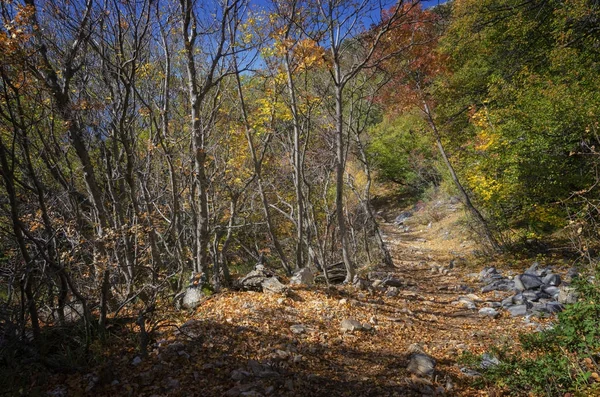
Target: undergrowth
<point>562,359</point>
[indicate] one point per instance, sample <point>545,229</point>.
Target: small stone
<point>350,325</point>
<point>298,328</point>
<point>488,312</point>
<point>251,393</point>
<point>172,383</point>
<point>280,301</point>
<point>367,326</point>
<point>392,291</point>
<point>136,361</point>
<point>343,301</point>
<point>469,372</point>
<point>239,374</point>
<point>289,384</point>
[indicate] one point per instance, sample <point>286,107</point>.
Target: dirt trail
<point>243,343</point>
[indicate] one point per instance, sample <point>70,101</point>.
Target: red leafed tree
<point>411,63</point>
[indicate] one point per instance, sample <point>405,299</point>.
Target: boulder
<point>567,295</point>
<point>273,285</point>
<point>303,276</point>
<point>253,281</point>
<point>421,364</point>
<point>350,325</point>
<point>192,298</point>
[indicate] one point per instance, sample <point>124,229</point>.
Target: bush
<point>402,151</point>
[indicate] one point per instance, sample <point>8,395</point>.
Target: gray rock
<point>303,276</point>
<point>421,364</point>
<point>533,269</point>
<point>519,299</point>
<point>552,291</point>
<point>552,280</point>
<point>507,302</point>
<point>469,372</point>
<point>539,308</point>
<point>554,307</point>
<point>567,295</point>
<point>518,284</point>
<point>572,274</point>
<point>391,281</point>
<point>488,361</point>
<point>273,285</point>
<point>518,310</point>
<point>239,374</point>
<point>350,324</point>
<point>192,298</point>
<point>136,361</point>
<point>253,281</point>
<point>402,217</point>
<point>377,283</point>
<point>488,312</point>
<point>392,291</point>
<point>531,281</point>
<point>499,285</point>
<point>376,275</point>
<point>251,393</point>
<point>531,296</point>
<point>360,283</point>
<point>298,328</point>
<point>466,302</point>
<point>494,304</point>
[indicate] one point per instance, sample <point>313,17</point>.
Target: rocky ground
<point>398,332</point>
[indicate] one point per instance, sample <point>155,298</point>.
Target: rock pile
<point>261,279</point>
<point>537,291</point>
